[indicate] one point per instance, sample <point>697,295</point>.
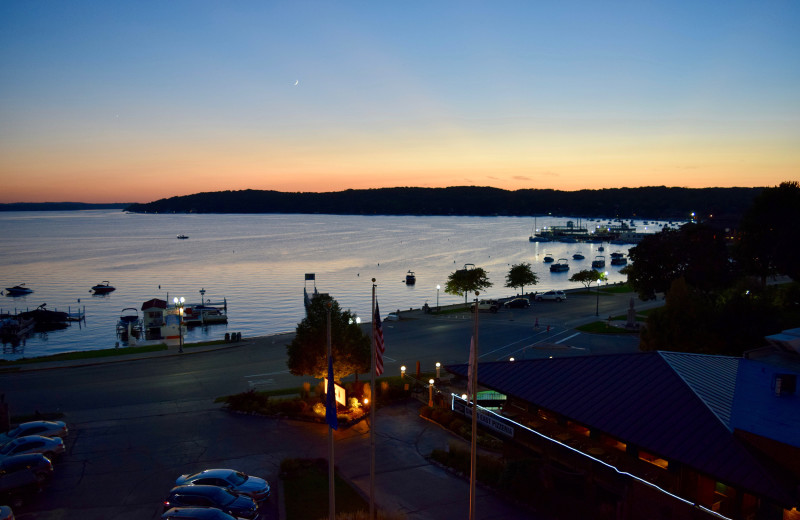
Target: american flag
<point>377,332</point>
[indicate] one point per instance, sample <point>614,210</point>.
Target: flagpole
<point>331,473</point>
<point>372,406</point>
<point>474,395</point>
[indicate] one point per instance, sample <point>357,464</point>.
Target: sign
<point>485,418</point>
<point>338,392</point>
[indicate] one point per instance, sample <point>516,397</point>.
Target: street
<point>136,425</point>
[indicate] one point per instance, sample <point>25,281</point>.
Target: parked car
<point>486,306</point>
<point>45,428</point>
<point>256,488</point>
<point>50,447</point>
<point>196,513</point>
<point>517,303</point>
<point>392,316</point>
<point>212,496</point>
<point>20,474</point>
<point>552,296</point>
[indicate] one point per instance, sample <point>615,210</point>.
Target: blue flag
<point>330,399</point>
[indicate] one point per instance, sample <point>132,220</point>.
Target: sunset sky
<point>129,101</point>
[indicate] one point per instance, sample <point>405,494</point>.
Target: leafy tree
<point>307,353</point>
<point>695,252</point>
<point>466,281</point>
<point>521,275</point>
<point>729,323</point>
<point>769,236</point>
<point>587,277</point>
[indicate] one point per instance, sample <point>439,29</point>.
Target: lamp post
<point>430,392</point>
<point>437,296</point>
<point>597,308</point>
<point>438,368</point>
<point>403,372</point>
<point>179,306</point>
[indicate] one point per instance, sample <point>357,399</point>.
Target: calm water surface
<point>256,262</point>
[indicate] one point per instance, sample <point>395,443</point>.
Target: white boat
<point>207,313</point>
<point>129,324</point>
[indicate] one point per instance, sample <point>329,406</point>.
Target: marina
<point>251,267</point>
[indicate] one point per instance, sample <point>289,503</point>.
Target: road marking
<point>267,374</point>
<point>568,337</point>
<point>261,382</point>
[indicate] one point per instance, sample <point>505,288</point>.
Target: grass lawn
<point>100,353</point>
<point>305,491</point>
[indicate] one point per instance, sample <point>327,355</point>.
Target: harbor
<point>254,265</point>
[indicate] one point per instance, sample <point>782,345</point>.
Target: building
<point>659,434</point>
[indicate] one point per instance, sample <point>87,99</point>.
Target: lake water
<point>258,263</point>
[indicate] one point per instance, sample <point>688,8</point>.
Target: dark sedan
<point>212,496</point>
<point>236,481</point>
<point>517,303</point>
<point>196,513</point>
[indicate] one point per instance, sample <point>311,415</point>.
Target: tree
<point>521,275</point>
<point>769,237</point>
<point>467,280</point>
<point>587,277</point>
<point>308,351</point>
<point>695,252</point>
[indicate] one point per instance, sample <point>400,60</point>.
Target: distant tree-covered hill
<point>649,202</point>
<point>59,206</point>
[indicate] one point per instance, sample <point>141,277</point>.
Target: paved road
<point>139,423</point>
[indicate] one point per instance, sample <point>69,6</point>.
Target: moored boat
<point>103,287</point>
<point>599,262</point>
<point>561,266</point>
<point>548,258</point>
<point>411,278</point>
<point>182,237</point>
<point>619,260</point>
<point>18,290</point>
<point>15,327</point>
<point>206,313</point>
<point>578,256</point>
<point>129,323</point>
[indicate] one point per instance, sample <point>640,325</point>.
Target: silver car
<point>44,428</point>
<point>240,483</point>
<point>50,447</point>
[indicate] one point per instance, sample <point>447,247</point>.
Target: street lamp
<point>438,368</point>
<point>430,392</point>
<point>402,372</point>
<point>602,277</point>
<point>437,296</point>
<point>179,306</point>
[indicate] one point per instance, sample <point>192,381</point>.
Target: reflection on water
<point>257,262</point>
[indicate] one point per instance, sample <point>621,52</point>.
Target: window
<point>785,384</point>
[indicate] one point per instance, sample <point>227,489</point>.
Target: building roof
<point>154,303</point>
<point>674,405</point>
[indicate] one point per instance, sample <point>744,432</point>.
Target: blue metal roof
<point>676,406</point>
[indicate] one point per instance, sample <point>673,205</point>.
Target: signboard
<point>338,391</point>
<point>485,418</point>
